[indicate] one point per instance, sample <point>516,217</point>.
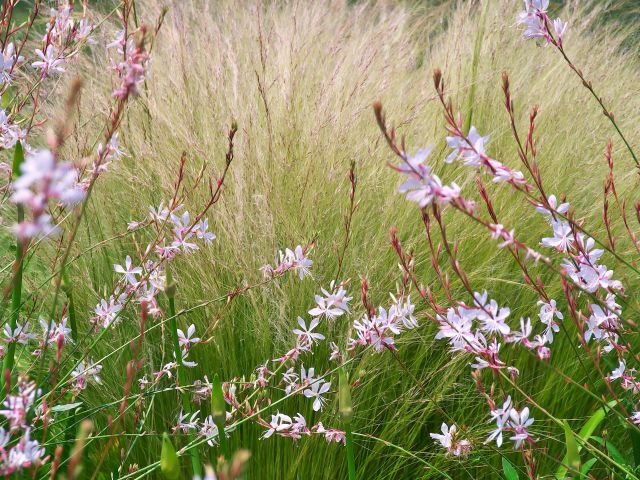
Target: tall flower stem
<point>556,41</point>
<point>16,292</point>
<point>181,374</point>
<point>346,412</point>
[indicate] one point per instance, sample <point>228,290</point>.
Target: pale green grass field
<point>300,78</point>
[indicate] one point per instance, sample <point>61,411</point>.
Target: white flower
<point>533,18</point>
<point>492,318</point>
<point>547,313</point>
<point>55,330</point>
<point>559,28</point>
<point>86,369</point>
<point>279,423</point>
<point>20,334</point>
<point>202,232</point>
<point>519,422</point>
<point>209,430</point>
<point>448,439</point>
<point>333,304</point>
<point>617,372</point>
<point>25,454</point>
<point>553,203</point>
<point>49,63</point>
<point>129,271</point>
<point>187,421</point>
<point>500,415</point>
<point>471,152</point>
<point>315,391</point>
<point>306,336</point>
<point>186,340</point>
<point>107,313</point>
<point>8,61</point>
<point>562,239</point>
<point>301,263</point>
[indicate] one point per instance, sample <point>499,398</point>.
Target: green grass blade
<point>573,454</point>
<point>16,292</point>
<point>509,471</point>
<point>219,411</point>
<point>585,433</point>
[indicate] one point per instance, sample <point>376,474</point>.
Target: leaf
<point>573,453</point>
<point>615,453</point>
<point>635,442</point>
<point>169,465</point>
<point>218,404</point>
<point>586,433</point>
<point>18,158</point>
<point>65,408</point>
<point>587,466</point>
<point>344,396</point>
<point>510,472</point>
<point>589,427</point>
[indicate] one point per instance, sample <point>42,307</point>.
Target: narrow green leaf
<point>18,158</point>
<point>573,453</point>
<point>344,396</point>
<point>586,432</point>
<point>615,453</point>
<point>590,426</point>
<point>635,443</point>
<point>218,405</point>
<point>510,472</point>
<point>169,465</point>
<point>66,407</point>
<point>587,466</point>
<point>219,413</point>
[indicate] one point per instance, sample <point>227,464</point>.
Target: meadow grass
<point>299,78</point>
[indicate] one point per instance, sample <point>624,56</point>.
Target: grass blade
<point>16,293</point>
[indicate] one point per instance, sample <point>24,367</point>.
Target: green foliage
<point>169,463</point>
<point>572,457</point>
<point>323,67</point>
<point>509,471</point>
<point>573,454</point>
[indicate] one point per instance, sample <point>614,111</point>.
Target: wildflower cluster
<point>538,24</point>
<point>19,450</point>
<point>481,328</point>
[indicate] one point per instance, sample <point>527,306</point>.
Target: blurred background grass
<point>300,78</point>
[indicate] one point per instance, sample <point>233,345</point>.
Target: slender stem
<point>557,42</point>
<point>351,457</point>
<point>180,374</point>
<point>66,286</point>
<point>219,413</point>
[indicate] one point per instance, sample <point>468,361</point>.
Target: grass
<point>300,79</point>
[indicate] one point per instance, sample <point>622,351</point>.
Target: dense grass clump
<point>298,80</point>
